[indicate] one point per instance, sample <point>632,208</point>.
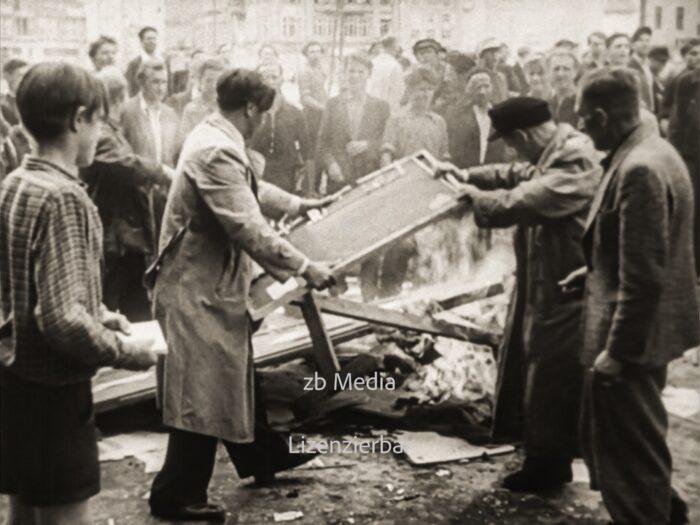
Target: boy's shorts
<point>48,442</point>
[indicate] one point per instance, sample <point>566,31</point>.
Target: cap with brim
<point>517,113</point>
<point>427,43</point>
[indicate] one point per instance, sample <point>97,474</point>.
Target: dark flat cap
<point>644,30</point>
<point>518,113</point>
<point>427,43</point>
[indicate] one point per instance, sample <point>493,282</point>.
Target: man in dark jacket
<point>641,306</point>
<point>352,127</point>
<point>547,197</point>
<point>118,182</point>
<point>282,138</point>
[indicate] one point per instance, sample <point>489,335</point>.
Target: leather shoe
<point>267,476</point>
<point>539,476</point>
<point>194,512</point>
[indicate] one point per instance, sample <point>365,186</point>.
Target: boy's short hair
<point>596,34</point>
<point>660,53</point>
<point>148,66</point>
<point>419,75</point>
<point>238,87</point>
<point>97,44</point>
<point>207,64</point>
<point>559,53</point>
<point>50,94</point>
<point>13,65</point>
<point>145,30</point>
<point>114,82</point>
<point>461,63</point>
<point>690,44</point>
<point>644,30</point>
<point>614,37</point>
<point>309,45</point>
<point>358,58</point>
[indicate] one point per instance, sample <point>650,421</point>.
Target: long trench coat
<point>213,229</point>
<point>549,203</point>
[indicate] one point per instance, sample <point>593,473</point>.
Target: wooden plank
<point>324,352</point>
<point>375,314</point>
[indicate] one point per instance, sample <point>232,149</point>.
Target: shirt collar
<point>350,98</point>
<point>144,105</point>
<point>146,57</point>
<point>34,163</point>
<point>222,124</point>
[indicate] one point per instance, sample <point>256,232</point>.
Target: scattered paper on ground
<point>147,447</point>
<point>681,402</point>
<point>423,448</point>
<point>580,472</point>
<point>288,516</point>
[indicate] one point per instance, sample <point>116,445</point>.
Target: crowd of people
<point>108,176</point>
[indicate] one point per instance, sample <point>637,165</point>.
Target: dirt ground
<point>383,489</point>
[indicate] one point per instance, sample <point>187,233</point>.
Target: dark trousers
<point>552,406</point>
<point>123,288</point>
<point>190,458</point>
<point>623,439</point>
<point>693,164</point>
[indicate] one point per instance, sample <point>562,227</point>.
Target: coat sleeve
<point>221,182</point>
<point>499,176</point>
<point>325,135</point>
<point>643,233</point>
<point>557,194</point>
<point>275,202</point>
<point>122,162</point>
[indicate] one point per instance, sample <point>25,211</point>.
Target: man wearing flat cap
<point>547,196</point>
<point>427,52</point>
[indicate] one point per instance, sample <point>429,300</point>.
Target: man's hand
<point>574,282</point>
<point>116,321</point>
<point>169,172</point>
<point>137,356</point>
<point>334,173</point>
<point>451,173</point>
<point>318,276</point>
<point>313,204</point>
<point>356,147</point>
<point>604,364</point>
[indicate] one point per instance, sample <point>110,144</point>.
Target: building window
<point>291,26</point>
<point>658,17</point>
<point>384,26</point>
<point>680,16</point>
<point>22,26</point>
<point>263,26</point>
<point>355,25</point>
<point>323,25</point>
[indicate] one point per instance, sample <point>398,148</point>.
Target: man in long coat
<point>547,198</point>
<point>213,230</point>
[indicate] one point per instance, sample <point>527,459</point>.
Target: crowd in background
<point>385,107</point>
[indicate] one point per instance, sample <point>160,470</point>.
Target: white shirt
<point>386,82</point>
<point>153,114</point>
<point>484,122</point>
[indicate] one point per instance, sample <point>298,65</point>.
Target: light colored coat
<point>137,131</point>
<point>212,231</point>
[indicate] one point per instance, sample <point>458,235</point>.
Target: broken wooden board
<point>384,207</point>
<point>428,448</point>
<point>116,388</point>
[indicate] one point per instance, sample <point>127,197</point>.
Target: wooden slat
<point>322,345</point>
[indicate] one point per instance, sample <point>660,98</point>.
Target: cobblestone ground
<point>386,490</point>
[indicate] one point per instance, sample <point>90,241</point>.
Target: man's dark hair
<point>461,63</point>
<point>596,34</point>
<point>147,66</point>
<point>210,63</point>
<point>478,71</point>
<point>388,43</point>
<point>13,65</point>
<point>419,75</point>
<point>690,44</point>
<point>309,45</point>
<point>644,30</point>
<point>145,30</point>
<point>97,44</point>
<point>238,87</point>
<point>614,90</point>
<point>358,58</point>
<point>51,93</point>
<point>660,53</point>
<point>614,37</point>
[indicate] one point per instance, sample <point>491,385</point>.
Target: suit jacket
<point>463,134</point>
<point>645,88</point>
<point>565,110</point>
<point>213,230</point>
<point>137,131</point>
<point>641,301</point>
<point>335,135</point>
<point>179,101</point>
<point>522,79</point>
<point>119,182</point>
